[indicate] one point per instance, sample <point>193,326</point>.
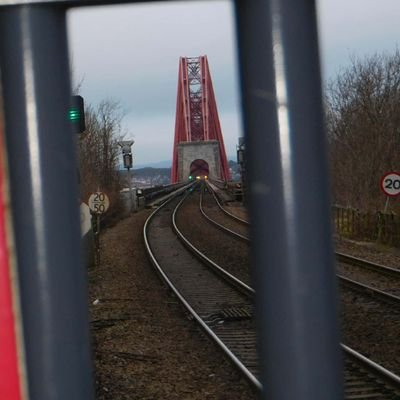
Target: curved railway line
<point>223,305</point>
<point>229,251</point>
<point>233,227</point>
<point>223,209</point>
<point>376,276</point>
<point>222,310</point>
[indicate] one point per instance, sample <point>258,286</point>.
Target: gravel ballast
<point>144,345</point>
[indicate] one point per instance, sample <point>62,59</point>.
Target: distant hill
<point>152,172</point>
<point>149,176</point>
<point>158,164</point>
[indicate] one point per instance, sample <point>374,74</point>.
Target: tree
<point>99,152</point>
<point>363,123</point>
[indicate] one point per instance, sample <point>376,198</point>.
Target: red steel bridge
<point>198,146</point>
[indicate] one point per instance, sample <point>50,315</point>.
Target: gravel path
<point>144,347</point>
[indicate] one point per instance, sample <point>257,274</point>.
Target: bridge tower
<point>198,145</point>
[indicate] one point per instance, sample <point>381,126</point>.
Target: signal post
<point>126,146</point>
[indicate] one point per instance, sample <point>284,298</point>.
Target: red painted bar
<point>10,388</point>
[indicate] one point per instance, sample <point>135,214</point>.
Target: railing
<point>363,225</point>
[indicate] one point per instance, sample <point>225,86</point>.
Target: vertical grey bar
<point>36,88</point>
<point>290,205</point>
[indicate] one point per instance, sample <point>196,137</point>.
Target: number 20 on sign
<point>390,184</point>
<point>98,202</point>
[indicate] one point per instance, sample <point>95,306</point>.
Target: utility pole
<point>128,163</point>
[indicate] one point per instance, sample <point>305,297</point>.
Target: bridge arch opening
<point>199,169</point>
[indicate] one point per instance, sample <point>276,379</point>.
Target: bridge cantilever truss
<point>196,111</point>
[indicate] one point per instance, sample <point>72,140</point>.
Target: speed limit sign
<point>390,183</point>
<point>98,202</point>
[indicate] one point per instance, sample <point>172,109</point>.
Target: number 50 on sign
<point>98,202</point>
<point>390,183</point>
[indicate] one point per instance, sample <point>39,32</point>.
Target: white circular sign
<point>390,183</point>
<point>98,202</point>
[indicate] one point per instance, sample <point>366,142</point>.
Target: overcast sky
<point>131,53</point>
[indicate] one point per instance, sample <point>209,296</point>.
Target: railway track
<point>220,303</point>
<point>225,310</point>
<point>365,379</point>
<point>377,276</point>
<point>376,271</point>
<point>229,222</point>
<point>378,281</point>
<point>381,276</point>
<point>223,209</point>
<point>371,309</point>
<point>229,251</point>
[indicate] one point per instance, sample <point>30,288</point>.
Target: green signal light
<point>190,177</point>
<point>74,114</point>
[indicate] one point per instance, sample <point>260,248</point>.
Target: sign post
<point>128,163</point>
<point>390,186</point>
<point>98,203</point>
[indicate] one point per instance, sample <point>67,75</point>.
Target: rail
<point>220,226</point>
<point>223,209</point>
<point>234,359</point>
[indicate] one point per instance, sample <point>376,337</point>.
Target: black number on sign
<point>392,184</point>
<point>99,197</point>
<point>99,208</point>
